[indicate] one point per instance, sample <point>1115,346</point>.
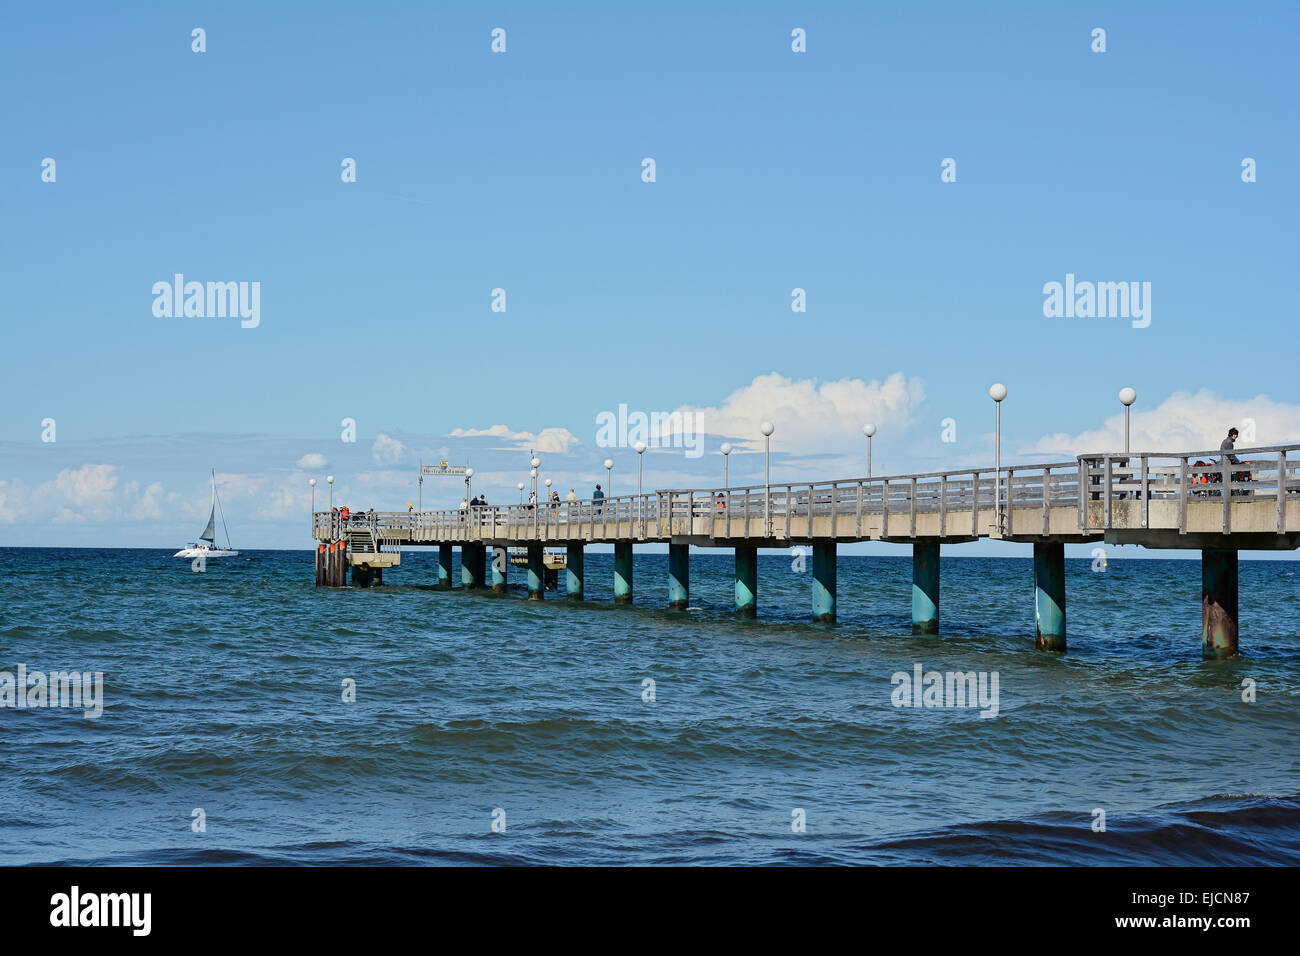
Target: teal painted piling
<point>1218,603</point>
<point>823,586</point>
<point>472,565</point>
<point>746,581</point>
<point>1049,595</point>
<point>925,587</point>
<point>500,570</point>
<point>444,565</point>
<point>573,573</point>
<point>536,573</point>
<point>623,572</point>
<point>679,576</point>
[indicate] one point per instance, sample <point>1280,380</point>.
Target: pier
<point>1157,500</point>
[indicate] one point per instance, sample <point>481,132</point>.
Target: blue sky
<point>775,170</point>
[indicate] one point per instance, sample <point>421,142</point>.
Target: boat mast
<point>217,504</point>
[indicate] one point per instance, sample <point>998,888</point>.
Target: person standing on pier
<point>598,496</point>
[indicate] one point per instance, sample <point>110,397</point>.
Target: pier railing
<point>1160,489</point>
<point>1186,491</point>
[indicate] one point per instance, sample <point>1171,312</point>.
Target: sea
<point>249,717</point>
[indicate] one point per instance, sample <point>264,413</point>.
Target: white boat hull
<point>207,553</point>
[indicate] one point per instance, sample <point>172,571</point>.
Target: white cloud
<point>386,450</point>
<point>9,502</point>
<point>552,441</point>
<point>810,417</point>
<point>1183,422</point>
<point>150,503</point>
<point>89,485</point>
<point>313,459</point>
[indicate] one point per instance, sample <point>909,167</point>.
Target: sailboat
<point>206,546</point>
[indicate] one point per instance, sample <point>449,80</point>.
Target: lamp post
<point>726,455</point>
<point>997,392</point>
<point>869,430</point>
<point>420,499</point>
<point>640,448</point>
<point>609,469</point>
<point>536,464</point>
<point>1127,397</point>
<point>767,428</point>
<point>521,493</point>
<point>313,496</point>
<point>330,479</point>
<point>548,489</point>
<point>469,484</point>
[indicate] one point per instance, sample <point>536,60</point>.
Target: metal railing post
<point>1107,492</point>
<point>1226,491</point>
<point>1281,492</point>
<point>1182,495</point>
<point>1146,489</point>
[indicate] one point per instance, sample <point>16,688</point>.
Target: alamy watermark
<point>656,429</point>
<point>213,300</point>
<point>922,688</point>
<point>127,910</point>
<point>35,689</point>
<point>1099,300</point>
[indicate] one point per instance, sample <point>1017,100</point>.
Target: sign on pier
<point>442,468</point>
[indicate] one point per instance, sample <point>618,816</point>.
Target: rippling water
<point>223,692</point>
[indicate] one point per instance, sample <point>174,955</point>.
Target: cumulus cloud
<point>810,417</point>
<point>312,459</point>
<point>150,502</point>
<point>9,502</point>
<point>1184,421</point>
<point>387,450</point>
<point>553,441</point>
<point>91,493</point>
<point>87,486</point>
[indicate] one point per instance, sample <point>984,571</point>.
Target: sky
<point>524,171</point>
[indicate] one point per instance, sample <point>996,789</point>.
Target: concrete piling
<point>823,585</point>
<point>444,564</point>
<point>471,566</point>
<point>1218,603</point>
<point>1049,596</point>
<point>500,570</point>
<point>536,573</point>
<point>679,576</point>
<point>573,572</point>
<point>925,587</point>
<point>623,572</point>
<point>746,581</point>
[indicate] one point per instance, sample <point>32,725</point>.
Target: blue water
<point>223,692</point>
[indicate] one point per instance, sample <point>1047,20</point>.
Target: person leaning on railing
<point>1227,446</point>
